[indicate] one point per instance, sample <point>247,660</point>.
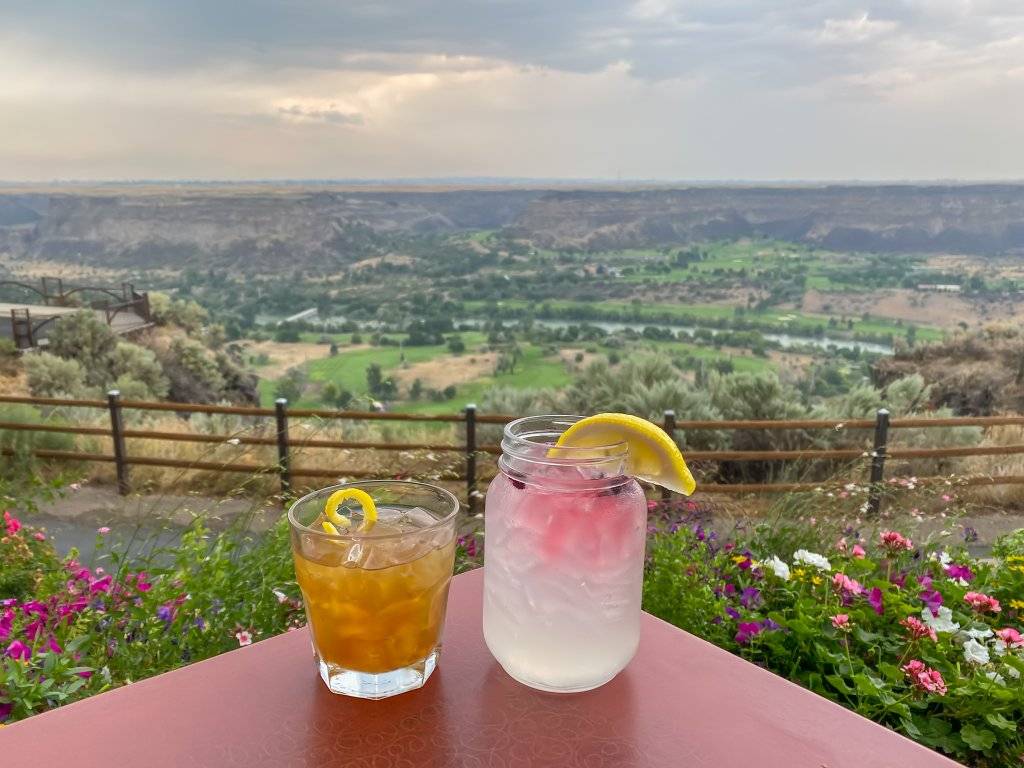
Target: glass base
<point>379,685</point>
<point>551,689</point>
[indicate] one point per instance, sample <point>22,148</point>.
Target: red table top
<point>681,702</point>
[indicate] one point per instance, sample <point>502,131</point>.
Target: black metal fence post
<point>878,461</point>
<point>117,435</point>
<point>283,459</point>
<point>470,412</point>
<point>669,425</point>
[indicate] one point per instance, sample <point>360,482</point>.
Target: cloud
<point>328,114</point>
<point>641,88</point>
<point>855,30</point>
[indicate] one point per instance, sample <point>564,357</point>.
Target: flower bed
<point>917,636</point>
<point>922,639</point>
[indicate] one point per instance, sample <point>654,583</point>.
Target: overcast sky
<point>698,89</point>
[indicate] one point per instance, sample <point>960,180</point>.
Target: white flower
<point>976,634</point>
<point>1013,672</point>
<point>244,638</point>
<point>812,558</point>
<point>975,652</point>
<point>941,623</point>
<point>942,558</point>
<point>995,677</point>
<point>778,566</point>
<point>999,647</point>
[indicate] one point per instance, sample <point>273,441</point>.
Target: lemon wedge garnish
<point>653,455</point>
<point>336,520</point>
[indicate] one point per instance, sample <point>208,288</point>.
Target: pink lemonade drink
<point>565,531</point>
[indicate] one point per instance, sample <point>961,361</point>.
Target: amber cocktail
<point>376,594</point>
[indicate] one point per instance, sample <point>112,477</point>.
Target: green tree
<point>416,390</point>
<point>456,345</point>
<point>379,386</point>
<point>291,385</point>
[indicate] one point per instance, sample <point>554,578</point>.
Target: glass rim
<point>521,447</point>
<point>449,498</point>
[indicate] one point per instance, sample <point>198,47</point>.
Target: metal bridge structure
<point>28,323</point>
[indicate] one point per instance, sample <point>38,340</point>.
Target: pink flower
<point>846,586</point>
<point>1011,637</point>
<point>651,506</point>
<point>858,551</point>
<point>244,638</point>
<point>103,530</point>
<point>918,630</point>
<point>13,524</point>
<point>841,621</point>
<point>894,542</point>
<point>39,536</point>
<point>924,678</point>
<point>982,603</point>
<point>841,545</point>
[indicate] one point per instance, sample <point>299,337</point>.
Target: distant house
<point>940,287</point>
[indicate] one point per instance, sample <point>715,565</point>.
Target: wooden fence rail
<point>286,443</point>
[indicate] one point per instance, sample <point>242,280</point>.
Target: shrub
<point>194,377</point>
<point>181,312</point>
<point>52,376</point>
<point>8,358</point>
<point>141,365</point>
<point>84,337</point>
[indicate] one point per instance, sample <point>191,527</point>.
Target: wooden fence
<point>122,458</point>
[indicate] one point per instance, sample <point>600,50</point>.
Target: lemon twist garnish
<point>337,520</point>
<point>653,455</point>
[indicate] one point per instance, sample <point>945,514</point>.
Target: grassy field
<point>347,369</point>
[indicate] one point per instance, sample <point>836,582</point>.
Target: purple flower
<point>33,606</point>
<point>33,629</point>
<point>165,613</point>
<point>200,623</point>
<point>750,597</point>
<point>875,600</point>
<point>53,646</point>
<point>733,613</point>
<point>955,571</point>
<point>5,710</point>
<point>747,630</point>
<point>899,579</point>
<point>925,581</point>
<point>970,534</point>
<point>932,600</point>
<point>730,589</point>
<point>770,625</point>
<point>6,620</point>
<point>18,650</point>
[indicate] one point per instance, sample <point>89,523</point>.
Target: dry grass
<point>998,495</point>
<point>423,464</point>
<point>446,370</point>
